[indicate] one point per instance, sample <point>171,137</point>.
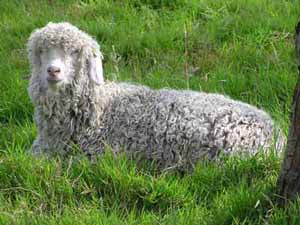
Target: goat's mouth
<point>53,80</point>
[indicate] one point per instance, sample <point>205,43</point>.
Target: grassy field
<point>241,48</point>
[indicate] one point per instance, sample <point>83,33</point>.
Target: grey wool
<point>75,106</point>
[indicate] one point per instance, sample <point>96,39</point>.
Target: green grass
<point>241,48</point>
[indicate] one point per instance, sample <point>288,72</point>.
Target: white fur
<point>173,128</point>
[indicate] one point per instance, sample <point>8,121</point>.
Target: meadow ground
<point>241,48</point>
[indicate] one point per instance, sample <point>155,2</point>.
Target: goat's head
<point>61,54</point>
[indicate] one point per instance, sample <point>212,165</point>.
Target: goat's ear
<point>95,68</point>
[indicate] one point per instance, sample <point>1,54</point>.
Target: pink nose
<point>53,71</point>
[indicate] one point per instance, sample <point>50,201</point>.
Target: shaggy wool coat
<point>173,128</point>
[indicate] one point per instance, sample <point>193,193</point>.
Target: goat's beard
<point>73,91</point>
<point>56,87</point>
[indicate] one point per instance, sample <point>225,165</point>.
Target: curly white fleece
<point>173,128</point>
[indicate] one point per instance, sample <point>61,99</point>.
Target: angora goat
<point>73,105</point>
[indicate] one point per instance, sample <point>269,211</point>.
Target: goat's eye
<point>75,52</point>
